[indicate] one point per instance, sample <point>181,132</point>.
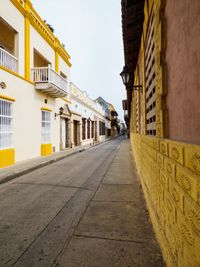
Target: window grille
<point>150,78</point>
<point>46,127</point>
<point>6,121</point>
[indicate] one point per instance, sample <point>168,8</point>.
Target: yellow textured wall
<point>169,170</point>
<point>170,176</point>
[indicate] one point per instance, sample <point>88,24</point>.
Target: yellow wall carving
<point>171,185</point>
<point>169,170</point>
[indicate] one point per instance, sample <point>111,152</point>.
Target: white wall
<point>38,42</point>
<point>64,68</point>
<point>27,116</point>
<point>16,20</point>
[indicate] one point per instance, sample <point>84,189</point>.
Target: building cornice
<point>26,9</point>
<point>85,104</point>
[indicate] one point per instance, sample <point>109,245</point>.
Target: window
<point>92,129</point>
<point>5,124</point>
<point>88,129</point>
<point>46,127</point>
<point>150,78</point>
<point>83,129</point>
<point>101,128</point>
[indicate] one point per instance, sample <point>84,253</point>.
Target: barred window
<point>46,127</point>
<point>150,78</point>
<point>6,120</point>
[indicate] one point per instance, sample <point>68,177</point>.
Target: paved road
<point>78,212</point>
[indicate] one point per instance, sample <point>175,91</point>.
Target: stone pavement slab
<point>24,167</point>
<point>115,220</point>
<point>95,252</point>
<point>22,227</point>
<point>115,230</point>
<point>115,192</point>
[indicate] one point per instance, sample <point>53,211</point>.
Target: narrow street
<point>85,210</point>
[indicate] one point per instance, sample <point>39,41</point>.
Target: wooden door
<point>75,133</point>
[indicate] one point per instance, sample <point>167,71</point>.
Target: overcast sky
<point>92,33</point>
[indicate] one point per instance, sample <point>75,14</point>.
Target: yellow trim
<point>56,57</point>
<point>19,6</point>
<point>38,23</point>
<point>7,98</point>
<point>66,100</point>
<point>46,109</point>
<point>7,157</point>
<point>27,66</point>
<point>56,61</point>
<point>46,149</point>
<point>17,75</point>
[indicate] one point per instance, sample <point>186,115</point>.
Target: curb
<point>14,175</point>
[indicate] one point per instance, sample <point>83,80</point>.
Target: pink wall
<point>183,69</point>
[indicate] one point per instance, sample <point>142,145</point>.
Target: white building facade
<point>34,84</point>
<point>41,112</point>
<point>87,118</point>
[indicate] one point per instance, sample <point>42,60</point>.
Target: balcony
<point>8,61</point>
<point>49,82</point>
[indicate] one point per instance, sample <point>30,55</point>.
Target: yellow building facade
<point>168,166</point>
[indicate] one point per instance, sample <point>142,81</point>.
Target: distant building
<point>112,126</point>
<point>114,121</point>
<point>106,107</point>
<point>88,118</point>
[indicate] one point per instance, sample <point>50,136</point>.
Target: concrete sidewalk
<point>24,167</point>
<point>115,230</point>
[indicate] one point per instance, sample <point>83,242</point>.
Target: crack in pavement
<point>66,207</point>
<point>55,185</point>
<point>110,239</point>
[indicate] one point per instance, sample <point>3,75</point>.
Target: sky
<point>92,33</point>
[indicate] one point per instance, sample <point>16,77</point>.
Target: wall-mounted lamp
<point>61,110</point>
<point>126,78</point>
<point>3,85</point>
<point>126,75</point>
